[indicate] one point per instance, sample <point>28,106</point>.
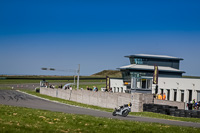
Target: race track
<point>16,98</point>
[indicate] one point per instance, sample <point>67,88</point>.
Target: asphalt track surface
<point>16,98</point>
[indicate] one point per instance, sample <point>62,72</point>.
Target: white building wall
<point>179,84</point>
<point>117,84</point>
<point>178,95</point>
<point>186,95</point>
<point>195,94</point>
<point>171,84</point>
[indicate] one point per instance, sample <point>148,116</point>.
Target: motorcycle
<point>122,110</point>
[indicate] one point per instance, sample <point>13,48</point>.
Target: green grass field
<point>5,88</point>
<point>25,120</point>
<point>50,79</point>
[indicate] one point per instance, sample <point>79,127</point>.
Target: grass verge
<point>142,114</point>
<point>5,88</point>
<point>22,120</point>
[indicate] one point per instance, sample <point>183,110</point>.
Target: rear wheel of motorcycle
<point>125,113</point>
<point>114,113</point>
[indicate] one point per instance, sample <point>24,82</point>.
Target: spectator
<point>157,96</point>
<point>193,103</point>
<point>154,95</point>
<point>160,96</point>
<point>70,88</point>
<point>106,90</point>
<point>94,89</point>
<point>52,86</point>
<point>164,96</point>
<point>87,88</point>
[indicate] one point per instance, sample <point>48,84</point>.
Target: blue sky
<point>95,34</point>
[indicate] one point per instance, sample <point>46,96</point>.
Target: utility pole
<point>78,72</point>
<point>74,79</point>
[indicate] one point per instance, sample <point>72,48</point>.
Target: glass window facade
<point>126,76</point>
<point>139,61</point>
<point>143,83</point>
<point>159,62</point>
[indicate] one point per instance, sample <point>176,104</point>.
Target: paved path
<point>15,98</point>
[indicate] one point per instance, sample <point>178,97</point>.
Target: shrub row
<point>171,110</point>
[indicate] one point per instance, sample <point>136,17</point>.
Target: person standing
<point>160,96</point>
<point>94,89</point>
<point>70,88</point>
<point>193,103</point>
<point>87,88</point>
<point>157,96</point>
<point>164,97</point>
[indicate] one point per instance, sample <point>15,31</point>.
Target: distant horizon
<point>47,75</point>
<point>67,75</point>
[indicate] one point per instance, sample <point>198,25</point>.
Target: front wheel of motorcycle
<point>125,113</point>
<point>114,113</point>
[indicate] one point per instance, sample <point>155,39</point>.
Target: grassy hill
<point>110,73</point>
<point>195,77</point>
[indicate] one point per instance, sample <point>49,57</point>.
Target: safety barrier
<point>170,110</point>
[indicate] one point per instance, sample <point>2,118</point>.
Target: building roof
<point>151,68</point>
<point>154,56</point>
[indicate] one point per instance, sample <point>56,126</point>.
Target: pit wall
<point>180,105</point>
<point>102,99</point>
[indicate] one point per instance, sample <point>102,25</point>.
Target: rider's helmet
<point>130,104</point>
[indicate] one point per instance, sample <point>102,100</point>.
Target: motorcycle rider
<point>123,110</point>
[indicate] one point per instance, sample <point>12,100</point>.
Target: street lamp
<point>51,69</point>
<point>78,72</point>
<point>69,70</point>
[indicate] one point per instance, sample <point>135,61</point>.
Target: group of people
<point>108,90</point>
<point>195,105</point>
<point>94,88</point>
<point>161,96</point>
<point>52,86</point>
<point>68,87</point>
<point>60,87</point>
